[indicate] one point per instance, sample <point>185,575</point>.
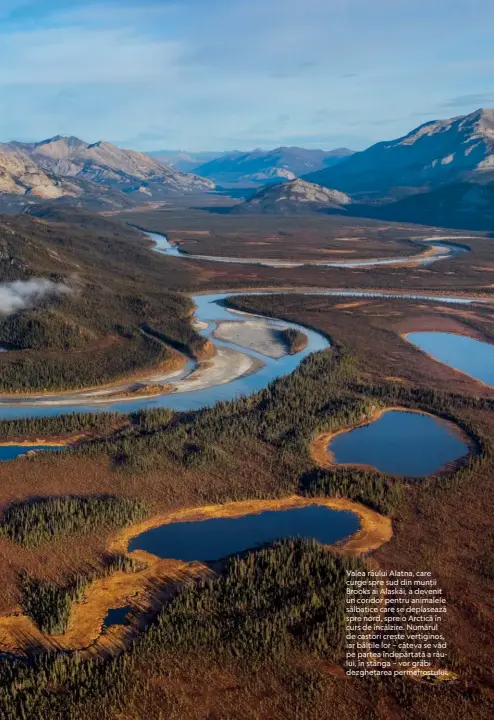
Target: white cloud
<point>21,294</point>
<point>74,55</point>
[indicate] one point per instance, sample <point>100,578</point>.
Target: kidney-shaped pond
<point>473,357</point>
<point>216,538</point>
<point>400,442</point>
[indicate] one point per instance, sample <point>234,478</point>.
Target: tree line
<point>264,606</point>
<point>50,606</point>
<point>33,522</point>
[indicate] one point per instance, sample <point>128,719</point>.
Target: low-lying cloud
<point>22,294</point>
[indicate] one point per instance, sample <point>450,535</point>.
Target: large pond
<point>216,538</point>
<point>400,443</point>
<point>473,357</point>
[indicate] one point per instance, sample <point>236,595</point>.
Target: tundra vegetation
<point>272,431</point>
<point>263,608</point>
<point>50,605</point>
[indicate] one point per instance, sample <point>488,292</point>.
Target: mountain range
<point>440,173</point>
<point>185,161</point>
<point>263,167</point>
<point>66,167</point>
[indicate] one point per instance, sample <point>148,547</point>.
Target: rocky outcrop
<point>19,175</point>
<point>292,198</point>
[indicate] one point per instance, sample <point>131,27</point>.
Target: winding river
<point>188,389</point>
<point>435,248</point>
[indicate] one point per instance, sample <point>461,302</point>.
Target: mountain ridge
<point>184,160</point>
<point>258,167</point>
<point>66,166</point>
<point>434,153</point>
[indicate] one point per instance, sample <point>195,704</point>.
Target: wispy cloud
<point>21,294</point>
<point>471,100</point>
<point>73,55</point>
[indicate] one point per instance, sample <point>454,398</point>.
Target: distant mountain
<point>438,152</point>
<point>293,198</point>
<point>260,167</point>
<point>66,167</point>
<point>184,161</point>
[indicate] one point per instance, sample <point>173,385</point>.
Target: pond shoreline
<point>147,589</point>
<point>324,458</point>
<point>472,335</point>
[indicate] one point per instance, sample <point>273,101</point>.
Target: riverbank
<point>123,385</point>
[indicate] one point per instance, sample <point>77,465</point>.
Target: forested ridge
<point>76,422</point>
<point>93,332</point>
<point>264,606</point>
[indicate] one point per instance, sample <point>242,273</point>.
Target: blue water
<point>209,309</point>
<point>117,616</point>
<point>206,540</point>
<point>10,452</point>
<point>400,443</point>
<point>473,357</point>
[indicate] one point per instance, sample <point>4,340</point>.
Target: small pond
<point>473,357</point>
<point>117,616</point>
<point>215,538</point>
<point>11,452</point>
<point>400,443</point>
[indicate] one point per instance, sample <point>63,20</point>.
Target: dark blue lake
<point>11,452</point>
<point>400,443</point>
<point>473,357</point>
<point>216,538</point>
<point>117,616</point>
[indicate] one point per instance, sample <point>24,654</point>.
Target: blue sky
<point>224,74</point>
